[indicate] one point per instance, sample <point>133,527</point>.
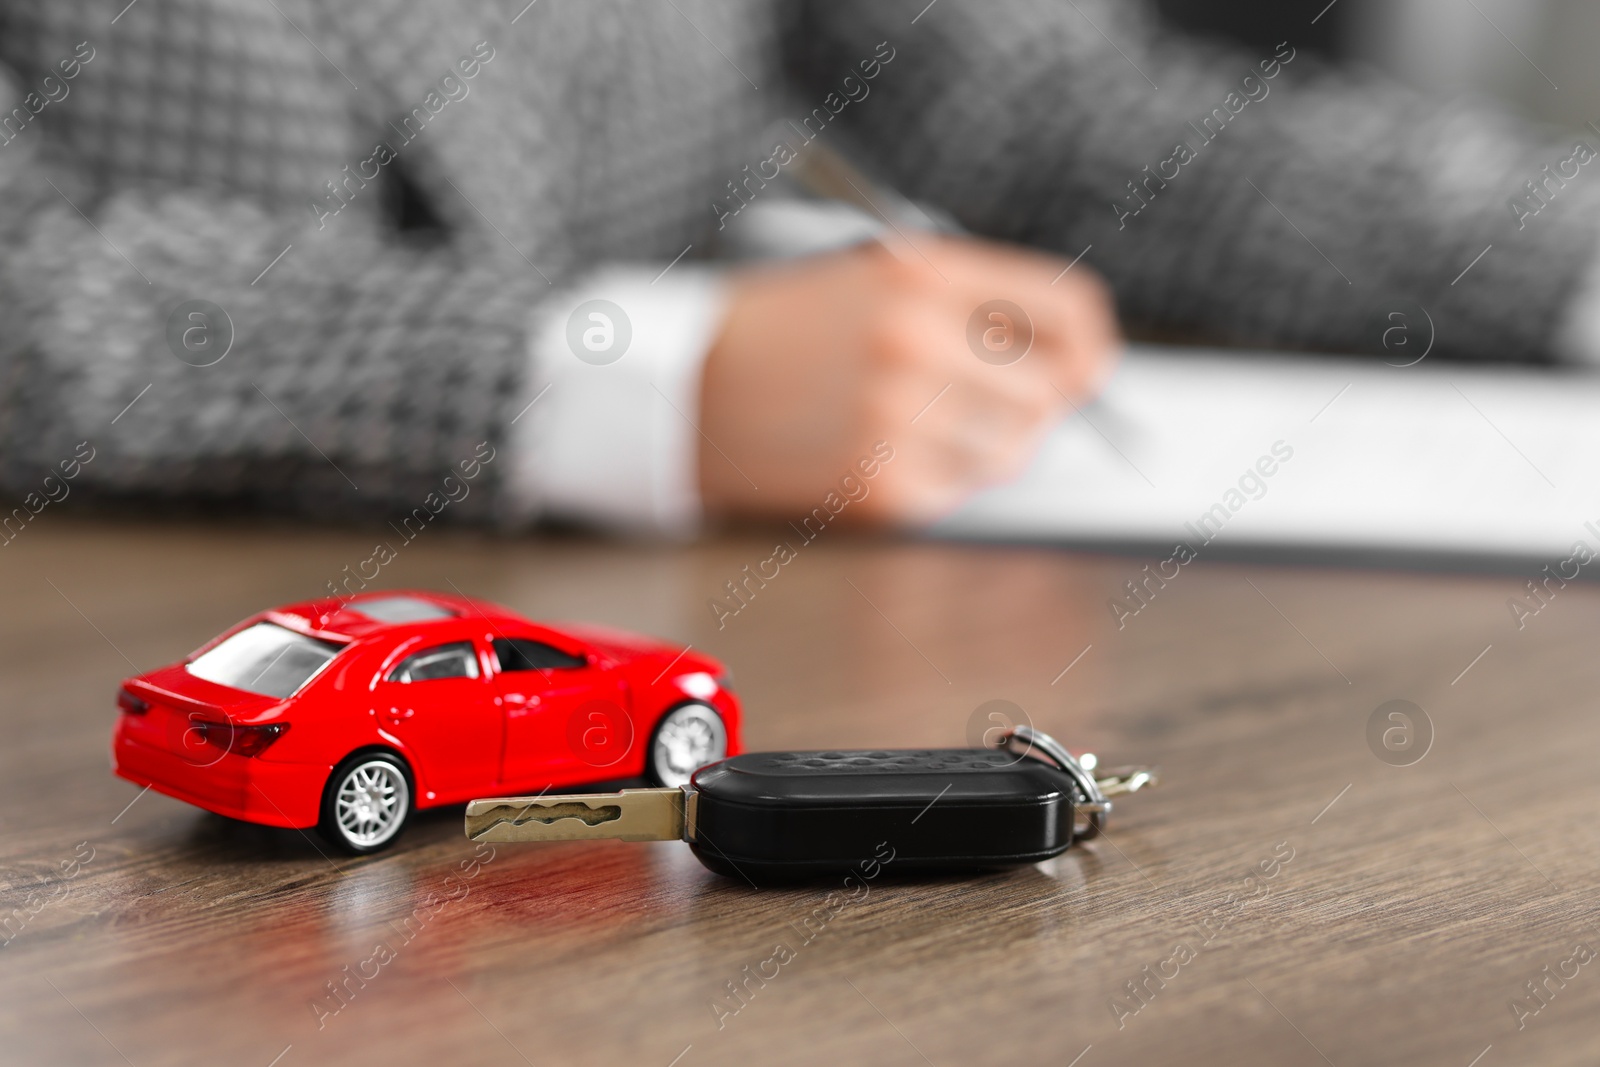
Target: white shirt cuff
<point>1578,336</point>
<point>607,428</point>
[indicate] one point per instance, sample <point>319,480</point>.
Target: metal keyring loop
<point>1090,799</point>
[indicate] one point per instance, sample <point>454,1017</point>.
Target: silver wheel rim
<point>371,803</point>
<point>689,738</point>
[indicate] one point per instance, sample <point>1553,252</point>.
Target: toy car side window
<point>455,660</point>
<point>521,654</point>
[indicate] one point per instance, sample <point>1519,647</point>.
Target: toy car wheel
<point>366,802</point>
<point>687,738</point>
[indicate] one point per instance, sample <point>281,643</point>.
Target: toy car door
<point>565,712</point>
<point>439,704</point>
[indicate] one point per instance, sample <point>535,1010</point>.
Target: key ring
<point>1091,799</point>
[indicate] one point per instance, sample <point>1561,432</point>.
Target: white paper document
<point>1235,452</point>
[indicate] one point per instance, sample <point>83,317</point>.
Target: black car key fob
<point>773,816</point>
<point>780,816</point>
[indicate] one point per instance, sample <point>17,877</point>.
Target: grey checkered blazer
<point>377,346</point>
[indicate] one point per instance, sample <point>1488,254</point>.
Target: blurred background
<point>1545,71</point>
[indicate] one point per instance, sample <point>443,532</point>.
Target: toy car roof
<point>368,613</point>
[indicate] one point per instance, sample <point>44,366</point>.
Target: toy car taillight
<point>131,704</point>
<point>240,740</point>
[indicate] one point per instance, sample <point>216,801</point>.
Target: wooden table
<point>1286,896</point>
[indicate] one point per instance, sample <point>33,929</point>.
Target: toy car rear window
<point>266,659</point>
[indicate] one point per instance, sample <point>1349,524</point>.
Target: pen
<point>828,174</point>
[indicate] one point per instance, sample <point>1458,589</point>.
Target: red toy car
<point>350,714</point>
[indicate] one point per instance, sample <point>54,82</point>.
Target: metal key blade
<point>631,815</point>
<point>1116,781</point>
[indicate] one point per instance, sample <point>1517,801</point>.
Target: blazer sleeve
<point>204,341</point>
<point>1257,199</point>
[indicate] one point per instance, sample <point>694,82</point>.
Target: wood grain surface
<point>1286,896</point>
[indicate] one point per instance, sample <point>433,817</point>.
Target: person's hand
<point>820,359</point>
